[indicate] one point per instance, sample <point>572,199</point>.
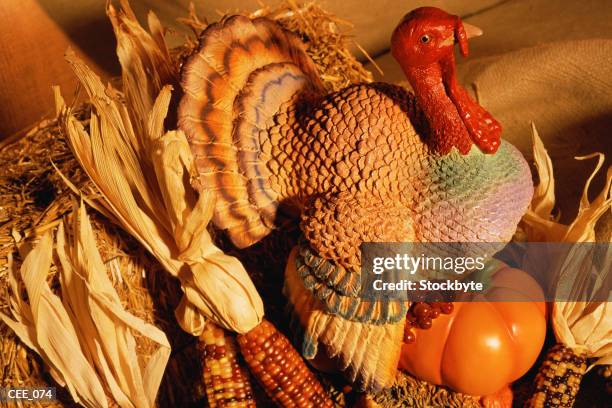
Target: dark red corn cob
<point>280,369</point>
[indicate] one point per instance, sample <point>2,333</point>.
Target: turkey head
<point>423,44</point>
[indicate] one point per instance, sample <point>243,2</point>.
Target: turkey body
<point>354,166</point>
<point>363,140</point>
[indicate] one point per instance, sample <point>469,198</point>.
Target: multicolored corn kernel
<point>226,381</point>
<point>280,369</point>
<point>558,379</point>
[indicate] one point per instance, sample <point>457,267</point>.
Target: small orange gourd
<point>484,344</point>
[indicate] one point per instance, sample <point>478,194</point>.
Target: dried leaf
<point>145,62</point>
<point>104,327</point>
<point>587,325</point>
<point>543,200</point>
<point>144,176</point>
<point>45,326</point>
<point>86,338</point>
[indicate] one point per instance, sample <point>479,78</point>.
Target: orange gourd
<point>484,344</point>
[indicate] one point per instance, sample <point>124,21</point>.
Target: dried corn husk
<point>540,225</point>
<point>586,326</point>
<point>86,338</point>
<point>143,177</point>
<point>146,66</point>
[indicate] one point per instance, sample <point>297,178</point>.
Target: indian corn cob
<point>558,379</point>
<point>280,369</point>
<point>226,381</point>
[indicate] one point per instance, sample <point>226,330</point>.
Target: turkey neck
<point>455,120</point>
<point>483,129</point>
<point>446,127</point>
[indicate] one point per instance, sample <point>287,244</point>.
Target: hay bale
<point>409,392</point>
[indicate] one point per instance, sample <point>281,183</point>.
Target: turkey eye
<point>425,39</point>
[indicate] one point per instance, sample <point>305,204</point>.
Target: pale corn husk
<point>146,65</point>
<point>584,326</point>
<point>539,224</point>
<point>85,338</point>
<point>143,177</point>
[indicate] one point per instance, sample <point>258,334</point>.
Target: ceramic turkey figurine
<point>371,162</point>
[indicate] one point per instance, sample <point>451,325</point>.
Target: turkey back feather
<point>243,73</point>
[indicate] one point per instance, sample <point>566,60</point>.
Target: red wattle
<point>484,130</point>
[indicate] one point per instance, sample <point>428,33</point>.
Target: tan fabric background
<point>565,89</point>
<point>32,45</point>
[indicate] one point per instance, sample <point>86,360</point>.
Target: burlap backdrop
<point>35,34</point>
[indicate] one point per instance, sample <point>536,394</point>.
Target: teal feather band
<point>338,289</point>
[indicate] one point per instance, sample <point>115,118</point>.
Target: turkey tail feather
<point>243,73</point>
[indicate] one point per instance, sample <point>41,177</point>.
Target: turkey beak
<point>471,31</point>
<point>463,31</point>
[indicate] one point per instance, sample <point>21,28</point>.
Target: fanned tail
<point>242,74</point>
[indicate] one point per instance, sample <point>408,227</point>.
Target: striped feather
<point>367,353</point>
<point>242,74</point>
<point>339,290</point>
